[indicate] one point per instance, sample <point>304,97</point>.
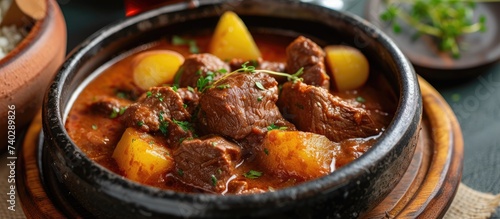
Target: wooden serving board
<point>425,191</point>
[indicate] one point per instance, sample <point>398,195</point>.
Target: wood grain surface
<point>426,190</point>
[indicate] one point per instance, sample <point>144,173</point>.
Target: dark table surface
<point>476,101</point>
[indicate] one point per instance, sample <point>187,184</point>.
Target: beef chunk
<point>197,65</point>
<point>240,104</point>
<point>304,53</point>
<point>314,109</point>
<point>190,98</point>
<point>156,110</point>
<point>207,164</point>
<point>108,106</point>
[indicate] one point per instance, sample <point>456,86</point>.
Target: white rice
<point>11,35</point>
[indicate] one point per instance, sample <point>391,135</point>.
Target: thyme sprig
<point>251,69</point>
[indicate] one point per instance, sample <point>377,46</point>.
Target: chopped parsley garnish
<point>114,113</point>
<point>179,41</point>
<point>214,143</point>
<point>164,128</point>
<point>252,174</point>
<point>266,151</point>
<point>259,85</point>
<point>185,125</point>
<point>148,94</point>
<point>184,106</point>
<point>159,96</point>
<point>214,180</point>
<point>122,110</point>
<point>190,89</point>
<point>140,123</point>
<point>151,142</point>
<point>180,172</point>
<point>259,99</point>
<point>360,99</point>
<point>94,126</point>
<point>121,95</point>
<point>275,127</point>
<point>175,88</point>
<point>163,124</point>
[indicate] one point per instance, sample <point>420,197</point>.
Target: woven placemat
<point>468,203</point>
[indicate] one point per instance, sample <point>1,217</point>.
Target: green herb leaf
<point>121,95</point>
<point>114,113</point>
<point>275,127</point>
<point>140,123</point>
<point>259,85</point>
<point>94,126</point>
<point>203,83</point>
<point>148,94</point>
<point>163,124</point>
<point>360,99</point>
<point>122,110</point>
<point>266,151</point>
<point>224,86</point>
<point>180,172</point>
<point>259,99</point>
<point>185,125</point>
<point>214,180</point>
<point>179,41</point>
<point>252,174</point>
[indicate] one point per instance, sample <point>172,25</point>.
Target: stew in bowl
<point>176,123</point>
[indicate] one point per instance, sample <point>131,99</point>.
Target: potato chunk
<point>157,67</point>
<point>302,155</point>
<point>231,39</point>
<point>140,157</point>
<point>349,67</point>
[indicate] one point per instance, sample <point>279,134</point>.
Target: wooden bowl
<point>346,193</point>
<point>27,70</point>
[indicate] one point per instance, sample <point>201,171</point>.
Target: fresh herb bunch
<point>446,20</point>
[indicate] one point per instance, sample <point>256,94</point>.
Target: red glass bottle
<point>133,7</point>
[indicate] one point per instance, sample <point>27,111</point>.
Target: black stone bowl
<point>346,193</point>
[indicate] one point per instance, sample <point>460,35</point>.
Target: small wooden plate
<point>426,190</point>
